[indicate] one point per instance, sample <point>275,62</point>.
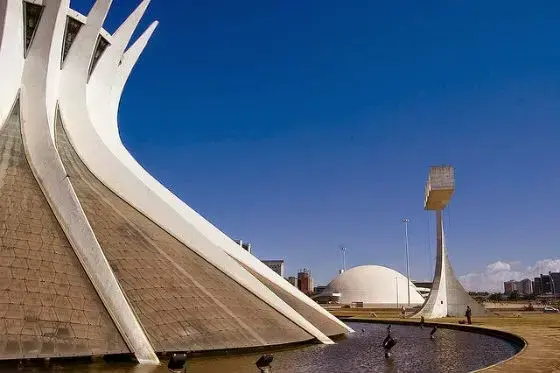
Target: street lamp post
<point>406,221</point>
<point>343,250</point>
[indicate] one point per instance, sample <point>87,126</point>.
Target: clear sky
<point>303,125</point>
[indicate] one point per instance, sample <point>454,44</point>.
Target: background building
<point>525,287</point>
<point>305,281</point>
<point>547,284</point>
<point>555,282</point>
<point>510,287</point>
<point>319,289</point>
<point>293,280</point>
<point>537,286</point>
<point>372,285</point>
<point>276,265</point>
<point>244,245</point>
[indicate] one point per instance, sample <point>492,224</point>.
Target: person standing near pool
<point>468,314</point>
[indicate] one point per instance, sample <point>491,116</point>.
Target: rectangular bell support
<point>439,187</point>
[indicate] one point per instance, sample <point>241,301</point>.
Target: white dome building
<point>372,285</point>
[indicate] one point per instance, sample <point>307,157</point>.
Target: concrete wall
<point>39,90</point>
<point>93,131</point>
<point>182,301</point>
<point>11,54</point>
<point>209,273</point>
<point>48,306</point>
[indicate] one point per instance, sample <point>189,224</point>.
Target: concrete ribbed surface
<point>182,301</point>
<point>48,306</point>
<point>320,321</point>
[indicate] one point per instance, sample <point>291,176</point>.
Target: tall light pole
<point>343,250</point>
<point>406,221</point>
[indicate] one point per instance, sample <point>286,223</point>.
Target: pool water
<point>450,351</point>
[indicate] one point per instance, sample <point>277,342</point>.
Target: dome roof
<point>373,284</point>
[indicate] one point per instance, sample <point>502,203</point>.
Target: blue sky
<point>300,126</point>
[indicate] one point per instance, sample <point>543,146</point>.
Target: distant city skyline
<point>301,126</point>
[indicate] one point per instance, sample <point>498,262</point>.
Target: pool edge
<point>493,332</point>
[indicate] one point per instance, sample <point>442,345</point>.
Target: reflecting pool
<point>450,351</point>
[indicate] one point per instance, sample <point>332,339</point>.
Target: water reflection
<point>450,351</point>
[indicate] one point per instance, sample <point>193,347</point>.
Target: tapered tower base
<point>448,297</point>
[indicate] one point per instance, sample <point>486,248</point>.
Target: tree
<point>495,297</point>
<point>513,296</point>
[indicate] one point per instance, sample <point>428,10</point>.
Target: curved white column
<point>78,120</point>
<point>107,128</point>
<point>102,77</point>
<point>38,105</point>
<point>113,69</point>
<point>11,54</point>
<point>105,100</point>
<point>436,304</point>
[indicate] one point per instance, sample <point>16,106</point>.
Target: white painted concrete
<point>89,113</point>
<point>95,152</point>
<point>447,297</point>
<point>83,19</point>
<point>436,304</point>
<point>11,54</point>
<point>373,284</point>
<point>180,215</point>
<point>80,106</point>
<point>108,167</point>
<point>38,102</point>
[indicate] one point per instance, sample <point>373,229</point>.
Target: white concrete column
<point>38,106</point>
<point>11,54</point>
<point>439,232</point>
<point>84,109</point>
<point>436,304</point>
